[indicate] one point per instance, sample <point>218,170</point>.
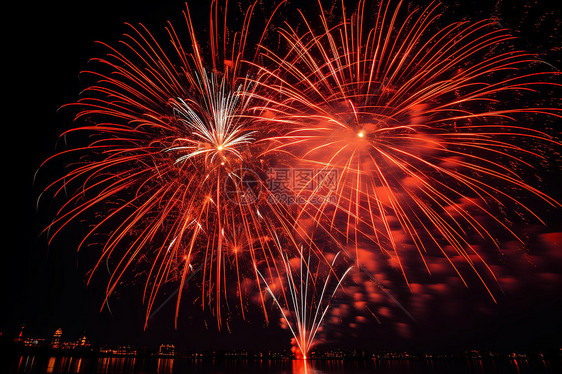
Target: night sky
<point>43,287</point>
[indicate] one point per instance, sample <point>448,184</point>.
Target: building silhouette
<point>56,340</point>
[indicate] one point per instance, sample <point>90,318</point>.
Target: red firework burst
<point>425,126</point>
<point>172,165</point>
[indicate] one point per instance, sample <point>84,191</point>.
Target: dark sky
<point>48,43</point>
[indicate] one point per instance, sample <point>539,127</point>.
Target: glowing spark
<point>307,306</point>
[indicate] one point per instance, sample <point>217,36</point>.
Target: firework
<point>304,297</point>
<point>431,131</point>
<point>171,169</point>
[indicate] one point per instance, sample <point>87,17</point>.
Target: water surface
<point>131,365</point>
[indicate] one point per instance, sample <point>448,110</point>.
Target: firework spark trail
<point>166,167</point>
<point>306,305</point>
<point>416,120</point>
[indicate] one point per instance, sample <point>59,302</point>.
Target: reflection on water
<point>122,365</point>
<point>56,365</point>
<point>304,367</point>
<point>27,364</point>
<point>51,364</point>
<point>165,366</point>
